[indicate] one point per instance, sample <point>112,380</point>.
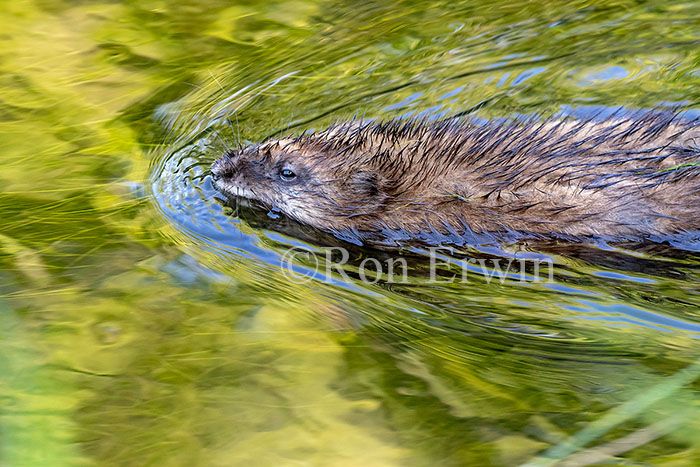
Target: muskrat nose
<point>218,174</point>
<point>222,168</point>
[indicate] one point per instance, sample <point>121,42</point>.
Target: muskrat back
<point>624,177</point>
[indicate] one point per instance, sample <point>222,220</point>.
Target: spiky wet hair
<point>634,174</point>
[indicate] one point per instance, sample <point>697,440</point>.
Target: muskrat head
<point>318,188</point>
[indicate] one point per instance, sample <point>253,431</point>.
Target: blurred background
<point>143,324</point>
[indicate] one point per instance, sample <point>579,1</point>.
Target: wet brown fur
<point>630,177</point>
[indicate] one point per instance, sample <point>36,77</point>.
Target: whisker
<point>226,146</point>
<point>238,133</point>
<point>216,80</point>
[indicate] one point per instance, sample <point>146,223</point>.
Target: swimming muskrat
<point>627,177</point>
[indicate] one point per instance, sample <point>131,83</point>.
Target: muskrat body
<point>630,178</point>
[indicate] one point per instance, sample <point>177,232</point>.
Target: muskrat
<point>627,177</point>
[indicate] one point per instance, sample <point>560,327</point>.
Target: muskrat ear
<point>369,184</point>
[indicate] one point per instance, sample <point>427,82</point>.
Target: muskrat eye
<point>287,175</point>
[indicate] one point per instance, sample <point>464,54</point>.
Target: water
<point>141,323</point>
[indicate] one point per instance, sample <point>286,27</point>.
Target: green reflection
<point>130,338</point>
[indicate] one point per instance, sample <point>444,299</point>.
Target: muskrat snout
<point>223,168</point>
<point>222,173</point>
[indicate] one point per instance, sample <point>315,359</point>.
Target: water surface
<point>143,323</point>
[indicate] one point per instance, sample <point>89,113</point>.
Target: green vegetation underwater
<point>145,322</point>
